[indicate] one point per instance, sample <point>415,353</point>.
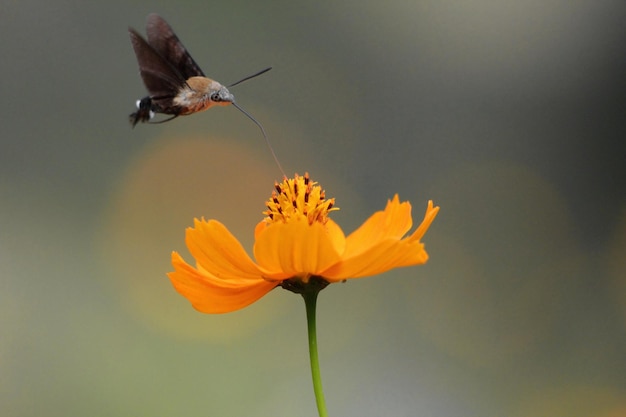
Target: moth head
<point>222,95</point>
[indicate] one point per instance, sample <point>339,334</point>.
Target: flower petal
<point>393,222</point>
<point>431,213</point>
<point>297,248</point>
<point>217,251</point>
<point>378,259</point>
<point>384,255</point>
<point>210,294</point>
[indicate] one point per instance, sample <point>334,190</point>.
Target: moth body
<point>201,93</point>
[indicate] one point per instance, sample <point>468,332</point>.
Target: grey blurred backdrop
<point>508,114</point>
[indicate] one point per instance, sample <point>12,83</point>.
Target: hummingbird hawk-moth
<point>176,84</point>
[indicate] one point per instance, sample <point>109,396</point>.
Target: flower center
<point>298,197</point>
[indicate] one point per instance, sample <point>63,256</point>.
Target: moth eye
<point>215,97</point>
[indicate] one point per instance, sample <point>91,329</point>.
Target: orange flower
<point>296,242</point>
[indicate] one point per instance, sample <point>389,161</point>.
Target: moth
<point>175,83</point>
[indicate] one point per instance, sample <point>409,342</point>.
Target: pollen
<point>296,198</point>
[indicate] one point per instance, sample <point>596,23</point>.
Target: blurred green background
<point>509,115</point>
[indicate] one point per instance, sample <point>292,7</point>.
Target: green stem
<point>310,301</point>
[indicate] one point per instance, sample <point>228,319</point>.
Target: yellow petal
<point>393,222</point>
<point>297,248</point>
<point>378,259</point>
<point>217,251</point>
<point>386,254</point>
<point>210,294</point>
<point>431,213</point>
<point>260,227</point>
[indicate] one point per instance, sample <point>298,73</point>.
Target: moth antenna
<point>267,141</point>
<point>250,76</point>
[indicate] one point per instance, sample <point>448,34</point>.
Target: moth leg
<point>163,121</point>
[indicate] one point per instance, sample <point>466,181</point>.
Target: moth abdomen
<point>144,111</point>
<point>148,107</point>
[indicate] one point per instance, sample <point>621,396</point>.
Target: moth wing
<point>163,39</point>
<point>159,76</point>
